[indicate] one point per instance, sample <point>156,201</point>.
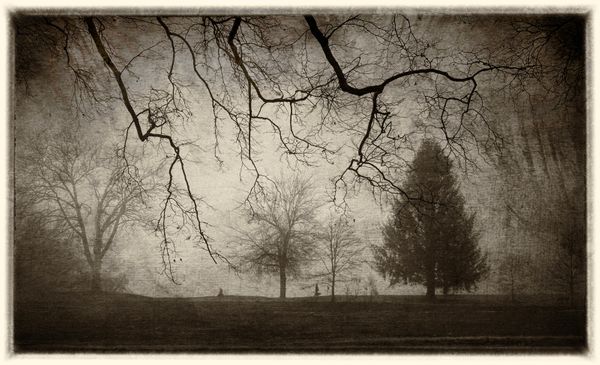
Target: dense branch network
<point>303,78</point>
<point>381,180</point>
<point>84,194</point>
<point>143,136</point>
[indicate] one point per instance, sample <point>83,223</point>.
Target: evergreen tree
<point>430,238</point>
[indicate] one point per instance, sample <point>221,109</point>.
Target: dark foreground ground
<point>83,322</point>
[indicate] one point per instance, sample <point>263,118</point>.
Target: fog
<point>521,168</point>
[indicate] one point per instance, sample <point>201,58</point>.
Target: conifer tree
<point>430,239</point>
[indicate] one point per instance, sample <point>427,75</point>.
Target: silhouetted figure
<point>220,293</point>
<point>317,293</point>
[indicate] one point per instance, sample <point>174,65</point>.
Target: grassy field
<point>84,322</point>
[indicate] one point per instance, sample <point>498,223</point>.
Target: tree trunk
<point>96,283</point>
<point>430,290</point>
<point>282,282</point>
<point>430,278</point>
<point>333,288</point>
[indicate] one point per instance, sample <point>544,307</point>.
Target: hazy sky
<point>47,102</point>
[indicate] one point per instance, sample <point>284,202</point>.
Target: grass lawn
<point>84,322</point>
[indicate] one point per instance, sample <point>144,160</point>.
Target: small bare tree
<point>514,263</point>
<point>568,269</point>
<point>339,253</point>
<point>512,268</point>
<point>372,285</point>
<point>88,194</point>
<point>43,260</point>
<point>282,235</point>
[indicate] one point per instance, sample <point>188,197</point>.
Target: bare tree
<point>339,252</point>
<point>282,235</point>
<point>44,261</point>
<point>547,142</point>
<point>357,76</point>
<point>559,222</point>
<point>89,195</point>
<point>568,268</point>
<point>372,285</point>
<point>512,270</point>
<point>514,264</point>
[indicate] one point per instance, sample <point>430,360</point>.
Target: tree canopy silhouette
<point>87,193</point>
<point>283,232</point>
<point>340,252</point>
<point>430,238</point>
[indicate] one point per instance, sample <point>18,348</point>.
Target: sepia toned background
<point>527,188</point>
